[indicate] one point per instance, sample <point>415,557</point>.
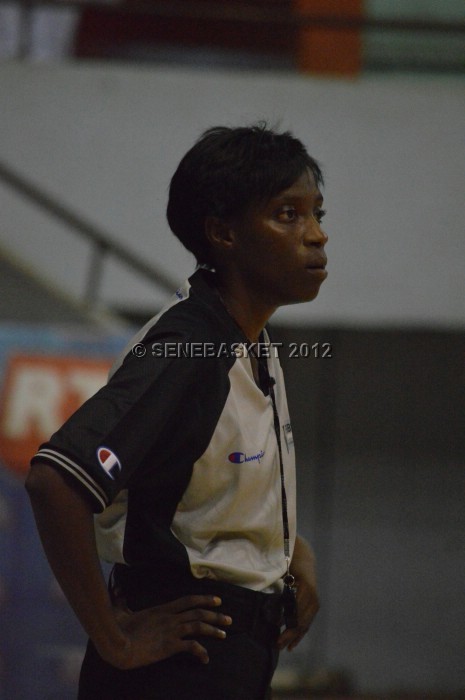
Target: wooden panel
<point>106,30</point>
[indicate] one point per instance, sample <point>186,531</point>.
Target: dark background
<point>380,462</point>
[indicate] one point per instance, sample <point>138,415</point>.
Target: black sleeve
<point>105,441</point>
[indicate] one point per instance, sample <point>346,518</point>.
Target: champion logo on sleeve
<point>109,462</point>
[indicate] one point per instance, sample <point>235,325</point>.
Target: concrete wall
<point>107,139</point>
<point>380,444</point>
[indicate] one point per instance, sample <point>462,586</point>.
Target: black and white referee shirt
<point>178,452</point>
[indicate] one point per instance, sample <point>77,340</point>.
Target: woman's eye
<point>319,214</point>
<point>287,214</point>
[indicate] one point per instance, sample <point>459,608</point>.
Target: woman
<point>187,454</point>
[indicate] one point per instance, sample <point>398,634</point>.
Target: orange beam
<point>327,50</point>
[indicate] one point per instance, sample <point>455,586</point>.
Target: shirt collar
<point>203,284</point>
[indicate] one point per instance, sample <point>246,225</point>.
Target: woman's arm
<point>303,569</point>
<point>126,640</point>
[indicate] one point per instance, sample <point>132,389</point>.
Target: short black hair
<point>227,171</point>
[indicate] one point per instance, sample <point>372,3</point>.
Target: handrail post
<point>94,276</point>
<point>26,10</point>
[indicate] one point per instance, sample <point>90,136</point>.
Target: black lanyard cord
<point>277,429</point>
<point>289,599</point>
<point>270,381</point>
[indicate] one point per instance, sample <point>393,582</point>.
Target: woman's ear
<point>219,234</point>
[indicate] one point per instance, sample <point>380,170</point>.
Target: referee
<point>180,471</point>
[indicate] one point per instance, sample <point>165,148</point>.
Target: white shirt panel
<point>230,517</point>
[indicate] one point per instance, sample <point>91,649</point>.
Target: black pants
<point>240,668</point>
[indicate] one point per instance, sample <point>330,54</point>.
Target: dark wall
<point>379,429</point>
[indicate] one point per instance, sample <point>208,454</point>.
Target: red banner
<point>39,394</point>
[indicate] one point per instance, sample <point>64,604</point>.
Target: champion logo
<point>241,457</point>
<point>109,462</point>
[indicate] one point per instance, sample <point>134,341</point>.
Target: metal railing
<point>103,244</point>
